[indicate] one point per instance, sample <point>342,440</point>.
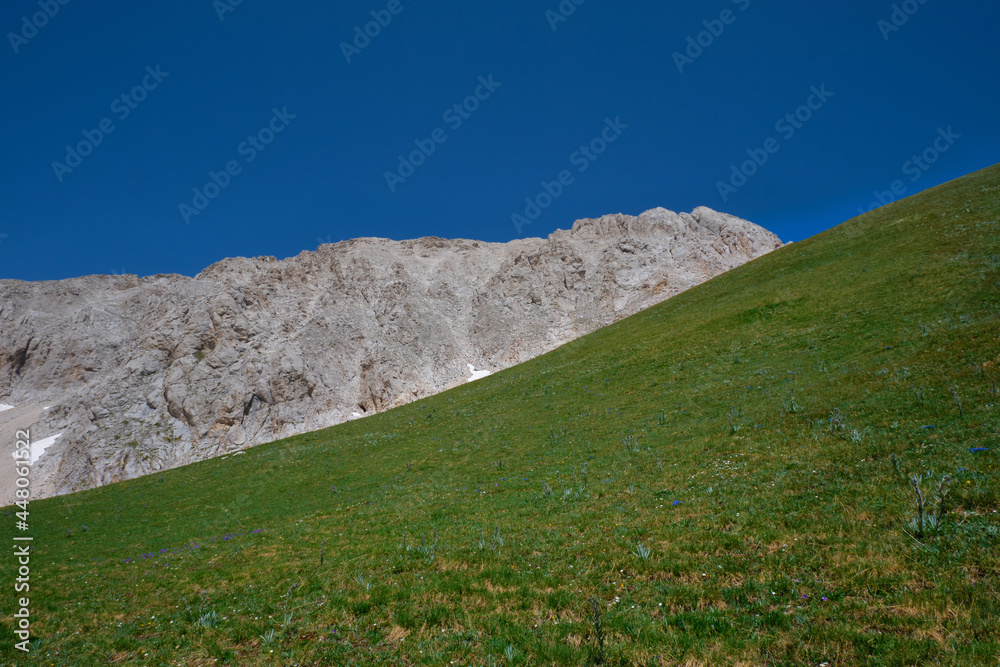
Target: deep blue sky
<point>323,175</point>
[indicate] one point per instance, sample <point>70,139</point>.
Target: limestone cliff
<point>143,374</point>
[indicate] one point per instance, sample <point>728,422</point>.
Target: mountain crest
<point>137,374</point>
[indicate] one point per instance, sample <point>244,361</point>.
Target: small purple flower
<point>824,598</point>
<point>677,502</point>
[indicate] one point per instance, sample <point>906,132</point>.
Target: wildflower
<point>677,502</point>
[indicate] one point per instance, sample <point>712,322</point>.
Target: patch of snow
<point>477,375</point>
<point>238,453</point>
<point>4,406</point>
<point>355,414</point>
<point>38,448</point>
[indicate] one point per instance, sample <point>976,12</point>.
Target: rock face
<point>144,374</point>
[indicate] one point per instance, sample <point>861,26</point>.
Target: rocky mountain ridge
<point>144,374</point>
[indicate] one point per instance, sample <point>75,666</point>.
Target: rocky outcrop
<point>144,374</point>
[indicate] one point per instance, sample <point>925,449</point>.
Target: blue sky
<point>300,140</point>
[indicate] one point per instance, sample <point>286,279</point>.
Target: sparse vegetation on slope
<point>795,463</point>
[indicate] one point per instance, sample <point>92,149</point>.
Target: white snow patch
<point>4,406</point>
<point>38,448</point>
<point>356,414</point>
<point>477,375</point>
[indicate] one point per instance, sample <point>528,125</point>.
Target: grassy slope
<point>784,542</point>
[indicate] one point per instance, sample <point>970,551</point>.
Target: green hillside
<point>722,479</point>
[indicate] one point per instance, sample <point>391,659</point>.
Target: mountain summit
<point>137,375</point>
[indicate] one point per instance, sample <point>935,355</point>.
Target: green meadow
<point>725,478</point>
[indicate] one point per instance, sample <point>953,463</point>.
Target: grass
<point>755,436</point>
